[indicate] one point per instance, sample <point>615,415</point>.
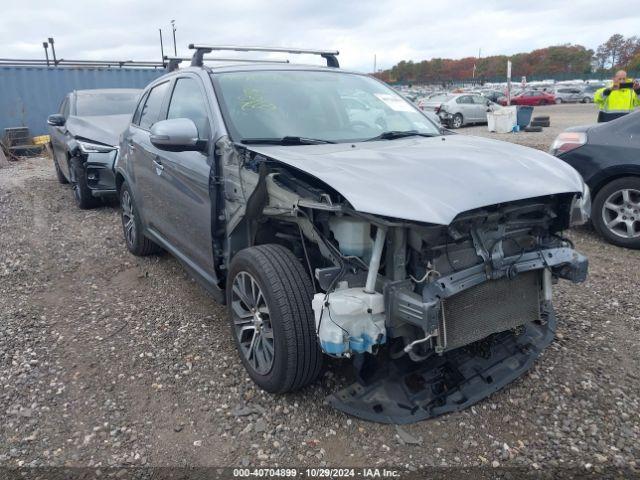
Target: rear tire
<point>137,242</point>
<point>269,297</point>
<point>613,217</point>
<point>81,191</point>
<point>558,101</point>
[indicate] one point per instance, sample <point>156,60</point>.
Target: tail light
<point>567,141</point>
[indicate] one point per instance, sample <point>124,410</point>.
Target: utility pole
<point>53,52</point>
<point>173,26</point>
<point>46,51</point>
<point>161,46</point>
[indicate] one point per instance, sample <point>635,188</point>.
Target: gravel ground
<point>107,359</point>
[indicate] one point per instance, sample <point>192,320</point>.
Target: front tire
<point>81,191</point>
<point>457,121</point>
<point>137,242</point>
<point>616,212</point>
<point>269,297</point>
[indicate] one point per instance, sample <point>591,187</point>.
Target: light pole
<point>53,52</point>
<point>46,51</point>
<point>173,26</point>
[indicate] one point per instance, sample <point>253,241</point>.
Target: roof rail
<point>201,50</point>
<point>175,61</point>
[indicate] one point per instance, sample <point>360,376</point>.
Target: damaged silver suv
<point>334,218</point>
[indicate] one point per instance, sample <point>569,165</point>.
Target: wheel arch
<point>120,179</point>
<point>609,175</point>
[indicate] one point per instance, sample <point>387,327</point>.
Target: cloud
<point>392,30</point>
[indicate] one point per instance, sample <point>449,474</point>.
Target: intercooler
<point>490,307</point>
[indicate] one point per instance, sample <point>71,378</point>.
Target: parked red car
<point>531,97</point>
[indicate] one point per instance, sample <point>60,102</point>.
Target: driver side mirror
<point>56,120</point>
<point>177,135</point>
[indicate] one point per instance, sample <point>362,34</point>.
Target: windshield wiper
<point>393,134</point>
<point>288,140</point>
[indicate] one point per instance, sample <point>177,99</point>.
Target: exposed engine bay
<point>436,316</point>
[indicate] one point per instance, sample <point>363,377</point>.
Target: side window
<point>187,101</point>
<point>151,110</point>
<point>136,116</point>
<point>478,100</point>
<point>464,99</point>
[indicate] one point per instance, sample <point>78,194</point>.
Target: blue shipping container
<point>28,95</point>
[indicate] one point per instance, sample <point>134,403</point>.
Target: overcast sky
<point>394,30</point>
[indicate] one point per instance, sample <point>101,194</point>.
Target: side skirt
<point>205,280</point>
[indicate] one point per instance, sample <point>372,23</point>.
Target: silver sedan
<point>458,109</point>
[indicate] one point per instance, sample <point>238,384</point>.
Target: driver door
<point>184,181</point>
<point>59,138</point>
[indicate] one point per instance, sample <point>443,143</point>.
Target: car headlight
<point>580,207</point>
<point>89,147</point>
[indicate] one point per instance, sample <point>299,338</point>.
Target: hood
<point>430,180</point>
<point>103,129</point>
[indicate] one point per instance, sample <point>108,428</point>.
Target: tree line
<point>560,60</point>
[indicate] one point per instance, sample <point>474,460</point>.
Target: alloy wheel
<point>457,121</point>
<point>252,323</point>
<point>128,218</point>
<point>621,213</point>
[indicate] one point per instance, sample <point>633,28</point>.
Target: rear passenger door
<point>186,206</point>
<point>465,106</point>
<point>479,108</point>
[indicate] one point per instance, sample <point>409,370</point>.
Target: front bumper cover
<point>404,391</point>
<point>100,174</point>
<point>442,384</point>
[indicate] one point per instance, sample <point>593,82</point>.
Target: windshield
<point>90,104</point>
<point>326,106</point>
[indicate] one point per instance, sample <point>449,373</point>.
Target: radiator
<point>490,307</point>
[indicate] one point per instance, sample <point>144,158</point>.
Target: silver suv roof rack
<point>202,50</point>
<point>174,62</point>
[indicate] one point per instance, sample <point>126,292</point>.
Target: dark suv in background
<point>371,234</point>
<point>84,140</point>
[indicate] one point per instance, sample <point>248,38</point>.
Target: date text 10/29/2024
<point>316,473</point>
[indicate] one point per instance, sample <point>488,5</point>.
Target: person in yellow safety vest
<point>618,99</point>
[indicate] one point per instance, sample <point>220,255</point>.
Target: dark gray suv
<point>425,256</point>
